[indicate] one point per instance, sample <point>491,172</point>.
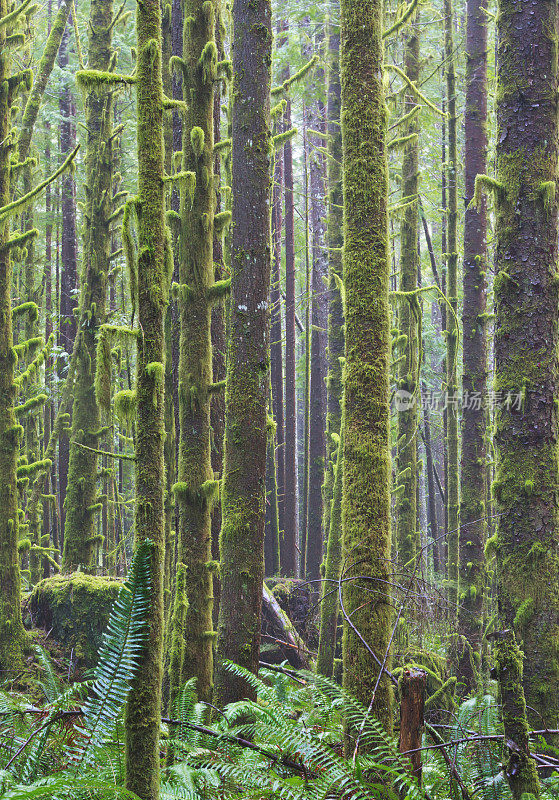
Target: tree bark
<point>367,470</point>
<point>474,379</point>
<point>526,338</point>
<point>143,713</point>
<point>243,492</point>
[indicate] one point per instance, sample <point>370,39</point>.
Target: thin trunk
<point>473,576</point>
<point>289,541</point>
<point>336,344</point>
<point>452,495</point>
<point>408,368</point>
<point>319,320</point>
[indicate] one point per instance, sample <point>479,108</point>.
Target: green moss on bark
<point>367,468</point>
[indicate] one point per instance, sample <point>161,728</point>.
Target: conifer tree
<point>197,489</point>
<point>452,483</point>
<point>335,349</point>
<point>82,504</point>
<point>526,338</point>
<point>366,490</point>
<point>474,380</point>
<point>408,371</point>
<point>152,269</point>
<point>244,479</point>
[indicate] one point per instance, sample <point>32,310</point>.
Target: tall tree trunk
<point>474,379</point>
<point>289,541</point>
<point>526,338</point>
<point>80,537</point>
<point>13,639</point>
<point>196,490</point>
<point>336,345</point>
<point>366,491</point>
<point>276,337</point>
<point>452,497</point>
<point>319,320</point>
<point>219,326</point>
<point>143,714</point>
<point>68,252</point>
<point>408,371</point>
<point>243,492</point>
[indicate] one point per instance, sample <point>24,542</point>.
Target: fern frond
<point>119,656</point>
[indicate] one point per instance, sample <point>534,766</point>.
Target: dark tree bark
<point>243,492</point>
<point>472,578</point>
<point>336,344</point>
<point>68,251</point>
<point>319,324</point>
<point>526,338</point>
<point>452,478</point>
<point>408,368</point>
<point>289,540</point>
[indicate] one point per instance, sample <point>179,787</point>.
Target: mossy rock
<point>75,609</point>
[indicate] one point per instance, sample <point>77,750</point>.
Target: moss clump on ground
<point>76,609</point>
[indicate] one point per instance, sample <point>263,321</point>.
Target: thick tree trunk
<point>366,491</point>
<point>526,338</point>
<point>243,492</point>
<point>13,639</point>
<point>474,379</point>
<point>143,714</point>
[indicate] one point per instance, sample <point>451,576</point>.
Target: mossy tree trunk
<point>276,343</point>
<point>521,770</point>
<point>13,638</point>
<point>526,337</point>
<point>319,324</point>
<point>289,539</point>
<point>408,368</point>
<point>329,606</point>
<point>143,713</point>
<point>80,528</point>
<point>366,491</point>
<point>68,249</point>
<point>243,492</point>
<point>452,483</point>
<point>336,344</point>
<point>196,488</point>
<point>474,379</point>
